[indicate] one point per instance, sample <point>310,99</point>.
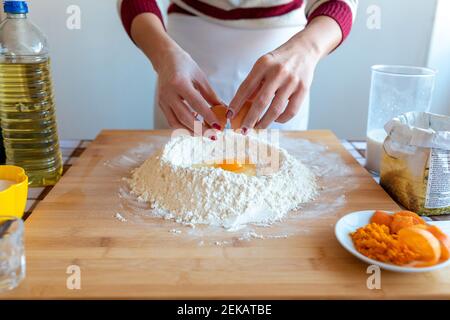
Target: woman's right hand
<point>183,89</point>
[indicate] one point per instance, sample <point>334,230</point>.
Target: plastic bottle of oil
<point>27,110</point>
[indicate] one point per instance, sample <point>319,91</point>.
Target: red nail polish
<point>244,130</point>
<point>213,138</point>
<point>217,126</point>
<point>229,114</point>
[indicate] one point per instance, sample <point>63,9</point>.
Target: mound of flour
<point>178,188</point>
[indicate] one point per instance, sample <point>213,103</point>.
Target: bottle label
<point>438,188</point>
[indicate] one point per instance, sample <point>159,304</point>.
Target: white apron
<point>227,55</point>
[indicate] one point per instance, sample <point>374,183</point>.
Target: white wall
<point>439,58</point>
<point>103,81</point>
<point>341,90</point>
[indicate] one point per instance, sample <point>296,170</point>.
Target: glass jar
<point>394,90</point>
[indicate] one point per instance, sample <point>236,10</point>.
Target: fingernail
<point>217,126</point>
<point>229,114</point>
<point>244,130</point>
<point>213,138</point>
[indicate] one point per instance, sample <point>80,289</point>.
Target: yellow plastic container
<point>14,199</point>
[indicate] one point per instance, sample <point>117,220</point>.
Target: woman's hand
<point>183,89</point>
<point>282,78</point>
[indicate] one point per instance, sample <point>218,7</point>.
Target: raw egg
<point>236,122</point>
<point>232,165</point>
<point>221,113</point>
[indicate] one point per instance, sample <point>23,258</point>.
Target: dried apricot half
<point>423,242</point>
<point>401,222</point>
<point>406,213</point>
<point>444,241</point>
<point>382,218</point>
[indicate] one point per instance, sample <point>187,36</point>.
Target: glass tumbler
<point>12,253</point>
<point>394,90</point>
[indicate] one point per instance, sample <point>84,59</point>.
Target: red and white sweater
<point>250,13</point>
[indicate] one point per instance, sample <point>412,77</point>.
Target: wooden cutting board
<point>75,225</point>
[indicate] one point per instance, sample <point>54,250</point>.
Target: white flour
<point>119,217</point>
<point>206,195</point>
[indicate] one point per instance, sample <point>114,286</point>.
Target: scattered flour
<point>178,189</point>
<point>253,235</point>
<point>119,217</point>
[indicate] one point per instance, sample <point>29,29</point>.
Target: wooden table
<point>74,225</point>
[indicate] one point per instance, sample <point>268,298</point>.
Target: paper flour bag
<point>415,166</point>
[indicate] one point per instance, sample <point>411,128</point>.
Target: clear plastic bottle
<point>27,111</point>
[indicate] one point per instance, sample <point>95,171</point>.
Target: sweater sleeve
<point>342,11</point>
<point>130,9</point>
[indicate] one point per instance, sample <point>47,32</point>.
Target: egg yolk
<point>233,165</point>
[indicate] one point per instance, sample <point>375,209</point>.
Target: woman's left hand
<point>282,78</point>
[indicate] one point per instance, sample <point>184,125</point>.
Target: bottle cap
<point>14,198</point>
<point>16,7</point>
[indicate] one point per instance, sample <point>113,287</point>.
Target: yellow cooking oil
<point>27,113</point>
<point>231,165</point>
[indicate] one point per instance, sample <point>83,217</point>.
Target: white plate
<point>351,222</point>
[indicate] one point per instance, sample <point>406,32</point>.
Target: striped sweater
<point>250,13</point>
